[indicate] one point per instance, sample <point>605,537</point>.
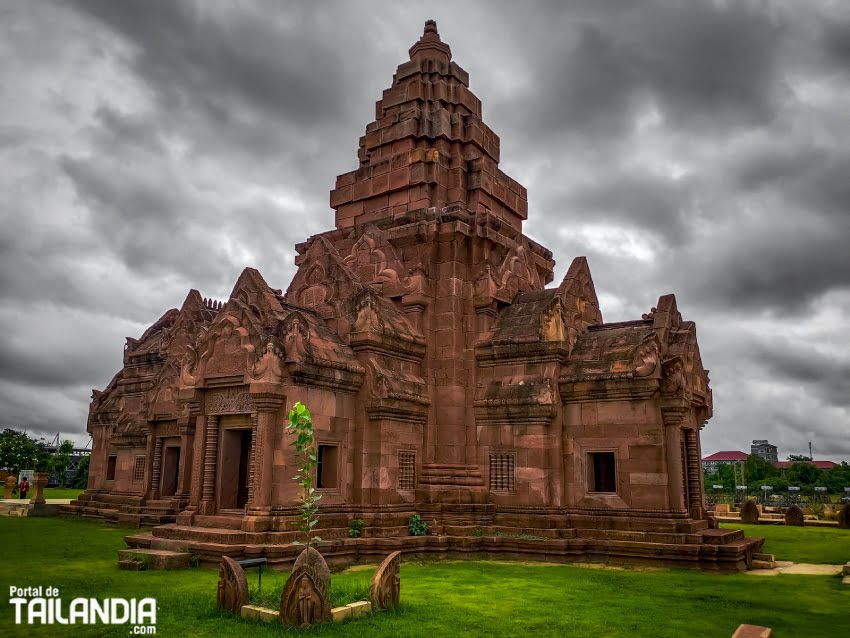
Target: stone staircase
<point>693,544</point>
<point>126,511</point>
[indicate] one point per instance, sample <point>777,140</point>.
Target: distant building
<point>710,464</point>
<point>765,450</point>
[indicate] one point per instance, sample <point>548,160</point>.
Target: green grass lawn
<point>55,492</point>
<point>475,598</point>
<point>824,545</point>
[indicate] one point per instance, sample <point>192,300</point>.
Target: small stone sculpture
<point>232,586</point>
<point>794,516</point>
<point>305,598</point>
<point>385,586</point>
<point>749,513</point>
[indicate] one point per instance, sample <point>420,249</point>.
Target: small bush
<point>194,560</point>
<point>478,532</point>
<point>143,561</point>
<point>416,526</point>
<point>355,528</point>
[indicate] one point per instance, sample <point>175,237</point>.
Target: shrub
<point>355,528</point>
<point>416,526</point>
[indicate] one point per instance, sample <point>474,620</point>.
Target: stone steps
<point>644,537</point>
<point>733,555</point>
<point>721,536</point>
<point>221,522</point>
<point>135,559</point>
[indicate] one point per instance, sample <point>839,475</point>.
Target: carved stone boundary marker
<point>232,586</point>
<point>305,599</point>
<point>794,516</point>
<point>749,513</point>
<point>385,586</point>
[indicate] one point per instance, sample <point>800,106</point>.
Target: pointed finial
<point>430,46</point>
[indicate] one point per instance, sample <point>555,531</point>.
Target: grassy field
<point>824,545</point>
<point>475,598</point>
<point>55,492</point>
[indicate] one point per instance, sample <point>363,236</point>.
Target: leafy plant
<point>301,427</point>
<point>19,451</point>
<point>416,526</point>
<point>81,474</point>
<point>477,532</point>
<point>143,561</point>
<point>194,560</point>
<point>355,528</point>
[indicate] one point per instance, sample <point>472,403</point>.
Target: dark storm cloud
<point>636,199</point>
<point>836,43</point>
<point>706,66</point>
<point>824,373</point>
<point>688,147</point>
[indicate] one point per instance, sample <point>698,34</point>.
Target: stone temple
<point>444,377</point>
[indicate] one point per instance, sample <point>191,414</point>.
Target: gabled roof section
<point>578,293</point>
<point>252,286</point>
<point>521,321</point>
<point>728,456</point>
<point>621,350</point>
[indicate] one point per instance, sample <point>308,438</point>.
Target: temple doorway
<point>170,470</point>
<point>233,468</point>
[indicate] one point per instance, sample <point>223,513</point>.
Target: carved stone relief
<point>232,586</point>
<point>385,586</point>
<point>305,599</point>
<point>646,357</point>
<point>296,338</point>
<point>233,400</point>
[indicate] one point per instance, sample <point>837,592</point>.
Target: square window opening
<point>603,476</point>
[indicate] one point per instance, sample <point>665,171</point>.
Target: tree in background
<point>803,473</point>
<point>19,451</point>
<point>81,474</point>
<point>798,457</point>
<point>60,461</point>
<point>757,469</point>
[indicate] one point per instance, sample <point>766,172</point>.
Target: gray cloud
<point>687,147</point>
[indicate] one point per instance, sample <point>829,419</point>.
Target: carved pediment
<point>647,356</point>
<point>373,263</point>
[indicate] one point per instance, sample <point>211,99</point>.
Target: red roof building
<point>711,463</point>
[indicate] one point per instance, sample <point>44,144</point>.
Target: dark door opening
<point>234,465</point>
<point>170,469</point>
<point>244,462</point>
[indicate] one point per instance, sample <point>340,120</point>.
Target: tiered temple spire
<point>428,147</point>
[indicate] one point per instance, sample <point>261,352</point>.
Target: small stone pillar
<point>207,505</point>
<point>39,480</point>
<point>9,487</point>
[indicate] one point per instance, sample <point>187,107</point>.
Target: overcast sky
<point>699,148</point>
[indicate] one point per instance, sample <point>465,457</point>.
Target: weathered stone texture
<point>749,513</point>
<point>442,374</point>
<point>794,516</point>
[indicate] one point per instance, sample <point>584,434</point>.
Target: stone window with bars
<point>502,472</point>
<point>406,470</point>
<point>139,469</point>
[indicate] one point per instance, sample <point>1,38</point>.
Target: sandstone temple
<point>446,377</point>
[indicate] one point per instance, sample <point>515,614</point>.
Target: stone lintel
<point>621,389</point>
